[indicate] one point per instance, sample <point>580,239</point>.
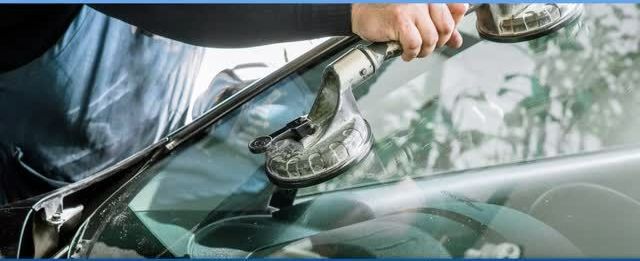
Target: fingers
<point>458,11</point>
<point>456,40</point>
<point>443,21</point>
<point>428,35</point>
<point>410,40</point>
<point>419,28</point>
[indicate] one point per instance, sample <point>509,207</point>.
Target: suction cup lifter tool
<point>334,136</point>
<point>522,22</point>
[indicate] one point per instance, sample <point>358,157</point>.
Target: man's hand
<point>419,28</point>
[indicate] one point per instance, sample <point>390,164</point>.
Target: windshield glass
<point>496,103</point>
<point>489,105</point>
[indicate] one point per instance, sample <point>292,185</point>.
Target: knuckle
<point>413,44</point>
<point>431,39</point>
<point>446,28</point>
<point>397,12</point>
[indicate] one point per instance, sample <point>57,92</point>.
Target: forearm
<point>235,25</point>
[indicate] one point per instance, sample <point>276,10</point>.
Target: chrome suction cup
<point>334,135</point>
<point>522,22</point>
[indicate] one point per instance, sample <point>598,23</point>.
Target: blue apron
<point>102,93</point>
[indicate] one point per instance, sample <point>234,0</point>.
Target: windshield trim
<point>327,48</point>
<point>321,51</point>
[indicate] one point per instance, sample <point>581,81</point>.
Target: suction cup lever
<point>297,129</point>
<point>333,136</point>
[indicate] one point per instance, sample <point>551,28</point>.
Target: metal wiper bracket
<point>333,136</point>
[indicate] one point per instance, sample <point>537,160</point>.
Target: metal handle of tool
<point>380,52</point>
